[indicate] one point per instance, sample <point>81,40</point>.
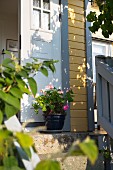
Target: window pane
<point>46,21</point>
<point>97,49</point>
<point>46,4</point>
<point>36,18</point>
<point>37,3</point>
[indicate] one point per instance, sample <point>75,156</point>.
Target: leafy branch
<point>16,80</point>
<point>104,20</point>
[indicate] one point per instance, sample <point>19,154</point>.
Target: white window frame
<point>40,9</point>
<point>109,48</point>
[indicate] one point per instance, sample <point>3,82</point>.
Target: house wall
<point>77,55</point>
<point>8,30</point>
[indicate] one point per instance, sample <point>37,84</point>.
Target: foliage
<point>105,18</point>
<point>16,80</point>
<point>53,101</point>
<point>48,165</point>
<point>8,151</point>
<point>87,148</point>
<point>9,158</point>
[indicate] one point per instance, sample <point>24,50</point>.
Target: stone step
<point>56,145</point>
<point>53,143</point>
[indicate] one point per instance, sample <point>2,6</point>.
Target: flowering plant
<point>53,101</point>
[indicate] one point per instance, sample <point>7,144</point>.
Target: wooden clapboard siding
<point>77,53</point>
<point>78,24</point>
<point>77,75</point>
<point>76,38</point>
<point>77,82</point>
<point>77,59</point>
<point>77,45</point>
<point>76,3</point>
<point>78,114</point>
<point>80,68</point>
<point>79,98</point>
<point>77,31</point>
<point>79,105</point>
<point>79,90</point>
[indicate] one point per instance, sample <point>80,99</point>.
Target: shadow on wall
<point>44,45</point>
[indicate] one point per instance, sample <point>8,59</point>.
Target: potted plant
<point>54,103</point>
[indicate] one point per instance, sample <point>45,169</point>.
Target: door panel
<point>42,44</point>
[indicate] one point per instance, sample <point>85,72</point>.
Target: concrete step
<point>53,143</point>
<point>56,145</point>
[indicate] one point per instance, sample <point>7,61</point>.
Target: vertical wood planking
<point>77,52</point>
<point>99,93</point>
<point>105,99</point>
<point>111,102</point>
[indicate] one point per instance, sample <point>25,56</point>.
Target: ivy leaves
<point>104,20</point>
<point>16,80</point>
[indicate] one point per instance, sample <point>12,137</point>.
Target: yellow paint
<point>77,59</point>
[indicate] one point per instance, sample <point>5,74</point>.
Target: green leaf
<point>50,64</point>
<point>24,89</point>
<point>36,66</point>
<point>44,71</point>
<point>16,92</point>
<point>6,61</point>
<point>7,52</point>
<point>90,149</point>
<point>10,99</point>
<point>4,134</point>
<point>52,67</point>
<point>22,86</point>
<point>33,85</point>
<point>10,110</point>
<point>27,142</point>
<point>10,162</point>
<point>48,165</point>
<point>8,81</point>
<point>23,73</point>
<point>15,168</point>
<point>1,117</point>
<point>20,81</point>
<point>2,80</point>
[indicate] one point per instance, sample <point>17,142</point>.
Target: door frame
<point>65,56</point>
<point>90,104</point>
<point>64,52</point>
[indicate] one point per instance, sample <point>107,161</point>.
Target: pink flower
<point>41,91</point>
<point>65,107</point>
<point>50,86</point>
<point>60,92</point>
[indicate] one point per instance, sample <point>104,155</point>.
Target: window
<point>99,48</point>
<point>41,14</point>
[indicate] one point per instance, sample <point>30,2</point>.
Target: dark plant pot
<point>55,122</point>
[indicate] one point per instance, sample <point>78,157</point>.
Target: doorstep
<point>56,145</point>
<point>53,143</point>
<point>47,143</point>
